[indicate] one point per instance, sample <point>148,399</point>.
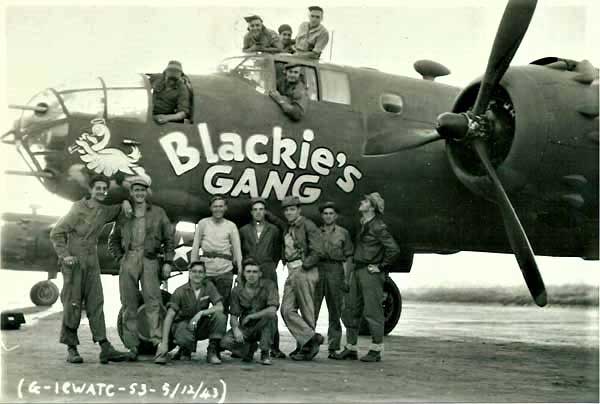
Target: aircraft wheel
<point>392,308</point>
<point>146,347</point>
<point>44,293</point>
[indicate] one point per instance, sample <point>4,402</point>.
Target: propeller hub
<point>452,126</point>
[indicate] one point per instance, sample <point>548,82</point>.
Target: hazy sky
<point>45,43</point>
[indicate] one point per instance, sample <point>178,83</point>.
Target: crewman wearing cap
<point>375,250</point>
<point>291,94</point>
<point>312,36</point>
<point>259,38</point>
<point>75,240</point>
<point>285,38</point>
<point>219,240</point>
<point>334,268</point>
<point>136,242</point>
<point>261,241</point>
<point>170,95</point>
<point>301,254</point>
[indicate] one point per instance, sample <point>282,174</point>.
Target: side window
<point>309,76</point>
<point>335,87</point>
<point>391,103</point>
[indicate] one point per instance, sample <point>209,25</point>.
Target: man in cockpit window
<point>170,95</point>
<point>291,94</point>
<point>259,38</point>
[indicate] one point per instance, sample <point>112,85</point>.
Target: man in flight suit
<point>375,251</point>
<point>291,94</point>
<point>136,242</point>
<point>261,240</point>
<point>75,239</point>
<point>334,269</point>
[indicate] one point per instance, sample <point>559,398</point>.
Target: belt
<point>329,261</point>
<point>218,255</point>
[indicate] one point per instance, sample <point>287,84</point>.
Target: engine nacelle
<point>545,140</point>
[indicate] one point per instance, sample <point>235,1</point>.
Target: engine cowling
<point>545,138</point>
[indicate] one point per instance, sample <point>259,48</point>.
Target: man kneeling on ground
<point>190,319</point>
<point>253,310</point>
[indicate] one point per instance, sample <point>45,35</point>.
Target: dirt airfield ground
<point>452,363</point>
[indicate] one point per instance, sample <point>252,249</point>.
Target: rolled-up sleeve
<point>175,302</point>
<point>272,295</point>
<point>212,293</point>
<point>321,42</point>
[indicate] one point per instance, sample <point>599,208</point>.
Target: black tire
<point>392,308</point>
<point>44,293</point>
<point>146,347</point>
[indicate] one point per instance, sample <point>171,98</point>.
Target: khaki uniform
<point>337,248</point>
<point>76,234</point>
<point>302,242</point>
<point>136,242</point>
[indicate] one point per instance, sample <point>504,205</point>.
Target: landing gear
<point>146,347</point>
<point>392,308</point>
<point>44,293</point>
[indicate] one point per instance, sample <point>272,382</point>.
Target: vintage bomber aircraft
<point>530,132</point>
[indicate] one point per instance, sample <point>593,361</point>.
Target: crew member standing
<point>375,250</point>
<point>219,240</point>
<point>312,36</point>
<point>301,246</point>
<point>334,268</point>
<point>261,240</point>
<point>75,240</point>
<point>136,242</point>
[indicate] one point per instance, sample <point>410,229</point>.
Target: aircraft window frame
<point>261,85</point>
<point>311,84</point>
<point>75,103</point>
<point>127,108</point>
<point>393,99</point>
<point>333,89</point>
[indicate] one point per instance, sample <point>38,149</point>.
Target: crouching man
<point>190,318</point>
<point>254,304</point>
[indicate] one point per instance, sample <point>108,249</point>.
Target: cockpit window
<point>129,104</point>
<point>251,69</point>
<point>86,102</point>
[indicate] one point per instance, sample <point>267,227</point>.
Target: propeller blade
<point>515,232</point>
<point>514,24</point>
<point>389,142</point>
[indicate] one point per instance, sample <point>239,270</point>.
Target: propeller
<point>475,126</point>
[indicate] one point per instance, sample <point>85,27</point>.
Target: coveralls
<point>136,242</point>
<point>76,234</point>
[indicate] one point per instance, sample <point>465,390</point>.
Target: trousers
<point>224,283</point>
<point>365,300</point>
<point>299,295</point>
<point>209,327</point>
<point>261,331</point>
<point>136,268</point>
<point>330,287</point>
<point>82,286</point>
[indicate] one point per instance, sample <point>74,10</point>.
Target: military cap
<point>291,64</point>
<point>252,18</point>
<point>315,8</point>
<point>175,65</point>
<point>139,180</point>
<point>283,28</point>
<point>376,201</point>
<point>99,178</point>
<point>290,201</point>
<point>329,204</point>
<point>254,201</point>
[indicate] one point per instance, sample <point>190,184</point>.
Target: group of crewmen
<point>322,263</point>
<point>171,90</point>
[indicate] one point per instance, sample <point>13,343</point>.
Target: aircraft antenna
<point>331,46</point>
